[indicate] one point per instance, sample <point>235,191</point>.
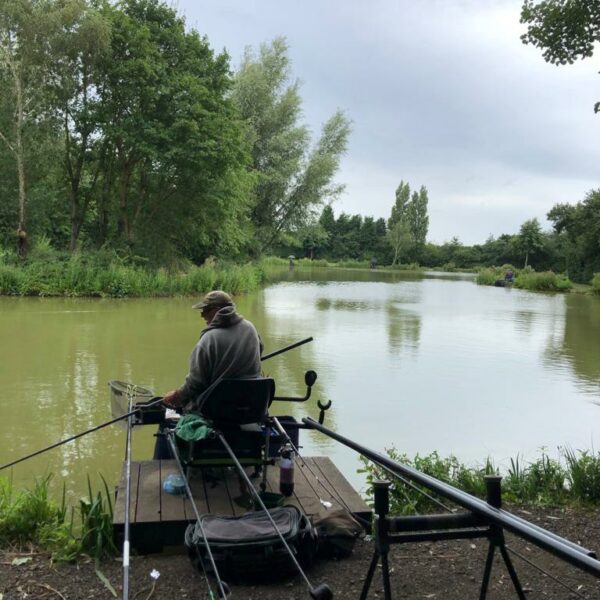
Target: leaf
<point>21,561</point>
<point>102,577</point>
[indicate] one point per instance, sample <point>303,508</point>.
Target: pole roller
<point>566,550</point>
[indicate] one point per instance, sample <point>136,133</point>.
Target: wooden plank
<point>241,498</point>
<point>337,482</point>
<point>148,493</point>
<point>171,505</point>
<point>119,511</point>
<point>197,486</point>
<point>305,491</point>
<point>217,496</point>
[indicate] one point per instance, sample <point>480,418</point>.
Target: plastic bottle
<point>286,471</point>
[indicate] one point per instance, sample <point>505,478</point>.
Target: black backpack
<point>247,548</point>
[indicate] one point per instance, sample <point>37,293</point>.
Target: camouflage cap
<point>214,298</point>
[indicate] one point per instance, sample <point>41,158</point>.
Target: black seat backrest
<point>239,401</point>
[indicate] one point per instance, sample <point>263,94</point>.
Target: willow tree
<point>293,178</point>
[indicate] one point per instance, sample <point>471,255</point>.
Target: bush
<point>31,517</point>
<point>542,282</point>
<point>544,482</point>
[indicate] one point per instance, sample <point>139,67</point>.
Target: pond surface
<point>424,363</point>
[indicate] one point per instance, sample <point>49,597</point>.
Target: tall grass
<point>573,478</point>
<point>86,276</point>
<point>526,279</point>
<point>542,282</point>
<point>31,517</point>
<point>596,283</point>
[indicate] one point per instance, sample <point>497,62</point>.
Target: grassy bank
<point>275,261</point>
<point>32,517</point>
<point>101,276</point>
<point>525,279</point>
<point>573,479</point>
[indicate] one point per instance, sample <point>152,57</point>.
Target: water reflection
<point>425,362</point>
<point>404,328</point>
<point>576,344</point>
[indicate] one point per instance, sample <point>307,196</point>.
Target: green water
<point>425,363</point>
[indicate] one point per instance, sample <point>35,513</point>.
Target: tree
<point>292,179</point>
<point>578,227</point>
<point>173,150</point>
<point>565,30</point>
<point>399,238</point>
<point>530,238</point>
<point>398,232</point>
<point>18,73</point>
<point>74,51</point>
<point>418,219</point>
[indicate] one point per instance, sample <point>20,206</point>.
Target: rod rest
<point>435,522</point>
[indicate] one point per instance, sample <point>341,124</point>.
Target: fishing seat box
<point>247,442</point>
<point>248,549</point>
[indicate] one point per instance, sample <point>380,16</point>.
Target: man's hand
<point>172,399</point>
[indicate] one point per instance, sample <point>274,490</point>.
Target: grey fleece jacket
<point>229,346</point>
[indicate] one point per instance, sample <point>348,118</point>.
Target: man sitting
<point>229,346</point>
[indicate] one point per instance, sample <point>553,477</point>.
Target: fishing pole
<point>320,592</point>
<point>153,402</point>
<point>127,500</point>
<point>224,590</point>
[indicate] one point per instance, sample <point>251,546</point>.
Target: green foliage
<point>32,517</point>
<point>578,228</point>
<point>565,30</point>
<point>91,275</point>
<point>542,282</point>
<point>409,499</point>
<point>530,238</point>
<point>596,283</point>
<point>292,179</point>
<point>544,481</point>
<point>526,279</point>
<point>583,475</point>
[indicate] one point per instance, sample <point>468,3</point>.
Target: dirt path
<point>441,570</point>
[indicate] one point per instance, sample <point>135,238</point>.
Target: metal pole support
<point>493,496</point>
<point>381,497</point>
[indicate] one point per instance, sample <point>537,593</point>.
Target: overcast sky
<point>441,93</point>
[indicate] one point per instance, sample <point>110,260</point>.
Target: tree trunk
<point>526,258</point>
<point>23,245</point>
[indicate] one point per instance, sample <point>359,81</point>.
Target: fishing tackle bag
<point>247,548</point>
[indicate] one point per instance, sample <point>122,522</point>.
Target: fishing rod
<point>224,590</point>
<point>321,591</point>
<point>153,402</point>
<point>562,548</point>
<point>127,500</point>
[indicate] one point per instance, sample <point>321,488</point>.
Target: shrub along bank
<point>573,479</point>
<point>526,279</point>
<point>95,276</point>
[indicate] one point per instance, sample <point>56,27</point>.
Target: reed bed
<point>80,277</point>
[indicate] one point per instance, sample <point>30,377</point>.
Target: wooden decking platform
<point>159,519</point>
